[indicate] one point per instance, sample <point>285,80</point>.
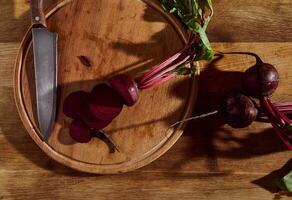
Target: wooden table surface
<point>210,161</point>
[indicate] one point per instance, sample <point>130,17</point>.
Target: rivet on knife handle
<point>38,18</point>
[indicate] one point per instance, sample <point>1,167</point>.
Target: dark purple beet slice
<point>104,103</point>
<point>79,131</point>
<point>74,103</point>
<point>126,87</point>
<point>91,121</point>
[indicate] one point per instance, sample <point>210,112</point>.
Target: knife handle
<point>38,18</point>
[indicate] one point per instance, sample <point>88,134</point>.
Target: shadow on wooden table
<point>144,50</point>
<point>214,85</point>
<point>17,138</point>
<point>209,134</point>
<point>269,182</point>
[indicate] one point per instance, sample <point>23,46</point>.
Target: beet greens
<point>195,14</point>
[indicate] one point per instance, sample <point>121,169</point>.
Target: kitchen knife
<point>45,65</point>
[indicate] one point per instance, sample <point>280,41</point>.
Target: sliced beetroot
<point>104,103</point>
<point>79,131</point>
<point>74,103</point>
<point>91,121</point>
<point>126,87</point>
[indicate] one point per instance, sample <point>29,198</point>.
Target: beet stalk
<point>196,16</point>
<point>281,123</point>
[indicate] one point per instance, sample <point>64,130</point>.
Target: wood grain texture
<point>211,161</point>
<point>86,28</point>
<point>251,21</point>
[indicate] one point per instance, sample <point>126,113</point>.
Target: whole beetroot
<point>261,80</point>
<point>238,110</point>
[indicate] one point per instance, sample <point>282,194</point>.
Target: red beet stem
<point>282,135</point>
<point>168,67</point>
<point>159,81</point>
<point>159,67</point>
<point>285,104</point>
<point>282,116</point>
<point>279,121</point>
<point>271,113</point>
<point>286,112</point>
<point>170,60</point>
<point>285,108</point>
<point>258,59</point>
<point>164,73</point>
<point>263,117</point>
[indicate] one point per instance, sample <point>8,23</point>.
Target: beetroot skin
<point>79,131</point>
<point>103,103</point>
<point>126,87</point>
<point>238,110</point>
<point>261,80</point>
<point>74,103</point>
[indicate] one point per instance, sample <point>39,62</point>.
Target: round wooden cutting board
<point>117,36</point>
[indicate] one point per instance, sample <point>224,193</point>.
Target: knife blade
<point>45,65</point>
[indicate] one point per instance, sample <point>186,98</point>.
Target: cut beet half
<point>104,103</point>
<point>74,103</point>
<point>79,131</point>
<point>126,87</point>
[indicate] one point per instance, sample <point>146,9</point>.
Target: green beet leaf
<point>287,181</point>
<point>196,15</point>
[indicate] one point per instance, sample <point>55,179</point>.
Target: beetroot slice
<point>126,87</point>
<point>91,121</point>
<point>104,103</point>
<point>80,132</point>
<point>74,103</point>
